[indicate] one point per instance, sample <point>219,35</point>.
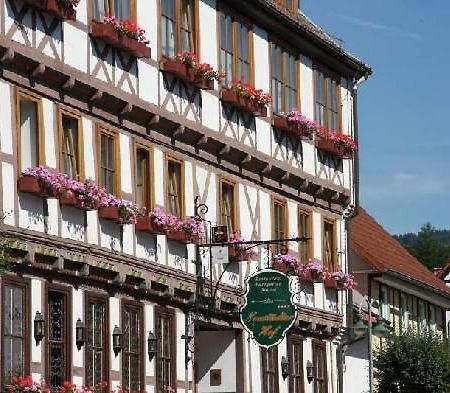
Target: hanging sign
<point>268,312</point>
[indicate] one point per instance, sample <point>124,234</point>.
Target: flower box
<point>186,73</point>
<point>330,283</point>
<point>282,267</point>
<point>236,255</point>
<point>52,7</point>
<point>109,213</point>
<point>146,224</point>
<point>330,147</point>
<point>31,185</point>
<point>70,199</point>
<point>109,35</point>
<point>245,104</point>
<point>290,127</point>
<point>312,276</point>
<point>181,236</point>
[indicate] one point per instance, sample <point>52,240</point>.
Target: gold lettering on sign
<point>253,317</point>
<point>266,330</point>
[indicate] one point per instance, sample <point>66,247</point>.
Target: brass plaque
<point>215,377</point>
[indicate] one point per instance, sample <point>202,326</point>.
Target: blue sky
<point>403,110</point>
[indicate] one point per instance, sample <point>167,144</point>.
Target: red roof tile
<point>381,251</point>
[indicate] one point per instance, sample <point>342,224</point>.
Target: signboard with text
<point>268,312</point>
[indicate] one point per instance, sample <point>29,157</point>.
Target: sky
<point>403,109</point>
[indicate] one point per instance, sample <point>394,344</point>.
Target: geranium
<point>165,221</point>
<point>26,383</point>
<point>248,91</point>
<point>344,141</point>
<point>344,280</point>
<point>242,249</point>
<point>127,28</point>
<point>193,226</point>
<point>289,263</point>
<point>307,126</point>
<point>189,59</point>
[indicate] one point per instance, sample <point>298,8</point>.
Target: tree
<point>412,363</point>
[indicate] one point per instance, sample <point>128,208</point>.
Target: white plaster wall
<point>149,326</point>
<point>6,129</point>
<point>48,109</point>
<point>148,81</point>
<point>217,350</point>
<point>125,163</point>
<point>114,320</point>
<point>293,224</point>
<point>53,217</point>
<point>317,235</point>
<point>306,86</point>
<point>82,12</point>
<point>158,181</point>
<point>208,32</point>
<point>264,137</point>
<point>261,58</point>
<point>75,38</point>
<point>78,308</point>
<point>307,355</point>
<point>8,206</point>
<point>356,368</point>
<point>147,18</point>
<point>210,111</point>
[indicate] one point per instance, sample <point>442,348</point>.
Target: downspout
<point>349,337</point>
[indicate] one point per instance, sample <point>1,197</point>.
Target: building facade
<point>77,100</point>
<point>403,294</point>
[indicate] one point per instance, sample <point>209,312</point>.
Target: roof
<point>385,254</point>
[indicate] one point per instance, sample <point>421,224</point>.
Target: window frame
<point>332,222</point>
<point>132,3</point>
<point>292,340</point>
<point>264,371</point>
<point>80,141</point>
<point>169,313</point>
<point>66,291</point>
<point>181,197</point>
<point>285,51</point>
<point>236,17</point>
<point>280,202</point>
<point>309,244</point>
<point>328,74</point>
<point>29,95</point>
<point>136,306</point>
<point>319,346</point>
<point>23,283</point>
<point>94,297</point>
<point>235,216</point>
<point>150,194</point>
<point>102,130</point>
<point>195,29</point>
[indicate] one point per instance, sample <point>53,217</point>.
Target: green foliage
<point>413,363</point>
<point>430,246</point>
<point>5,255</point>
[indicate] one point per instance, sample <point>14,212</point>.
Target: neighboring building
<point>73,99</point>
<point>410,297</point>
<point>443,273</point>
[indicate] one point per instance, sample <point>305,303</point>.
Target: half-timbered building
<point>91,298</point>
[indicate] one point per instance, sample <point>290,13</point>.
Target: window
<point>71,145</point>
<point>269,366</point>
<point>15,337</point>
<point>295,358</point>
<point>58,336</point>
<point>97,335</point>
<point>121,9</point>
<point>305,230</point>
<point>284,79</point>
<point>329,245</point>
<point>132,360</point>
<point>175,187</point>
<point>404,314</point>
<point>108,168</point>
<point>143,181</point>
<point>228,206</point>
<point>385,303</point>
<point>320,367</point>
<point>326,92</point>
<point>166,355</point>
<point>177,26</point>
<point>31,140</point>
<point>279,223</point>
<point>235,52</point>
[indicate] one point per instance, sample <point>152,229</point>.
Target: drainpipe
<point>349,337</point>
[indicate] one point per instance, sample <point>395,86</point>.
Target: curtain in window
<point>174,188</point>
<point>70,146</point>
<point>100,8</point>
<point>226,45</point>
<point>168,27</point>
<point>13,333</point>
<point>29,139</point>
<point>187,25</point>
<point>228,207</point>
<point>122,9</point>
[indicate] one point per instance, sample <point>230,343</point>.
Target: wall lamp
<point>117,340</point>
<point>39,326</point>
<point>152,346</point>
<point>284,367</point>
<point>309,371</point>
<point>80,337</point>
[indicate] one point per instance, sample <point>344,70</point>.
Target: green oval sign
<point>268,312</point>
